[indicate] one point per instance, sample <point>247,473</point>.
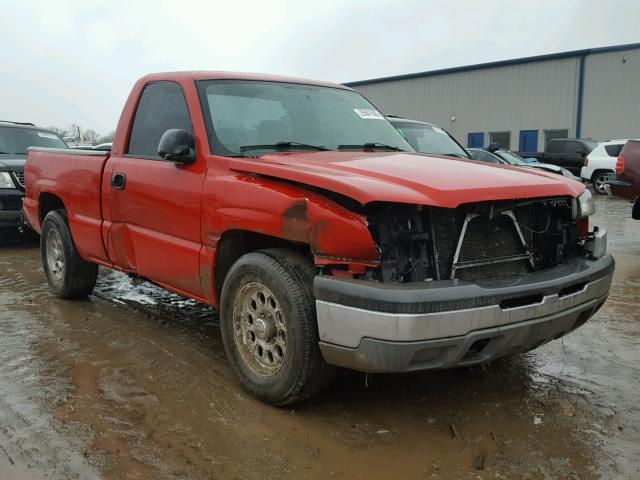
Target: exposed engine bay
<point>476,241</point>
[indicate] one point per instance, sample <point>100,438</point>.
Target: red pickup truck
<point>297,209</point>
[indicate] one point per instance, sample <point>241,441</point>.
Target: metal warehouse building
<point>523,103</point>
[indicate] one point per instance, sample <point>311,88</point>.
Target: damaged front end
<point>475,241</point>
<point>464,286</point>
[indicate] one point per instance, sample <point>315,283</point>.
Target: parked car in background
<point>103,146</point>
<point>427,137</point>
<point>625,182</point>
<point>600,163</point>
<point>15,138</point>
<point>493,154</point>
<point>569,153</point>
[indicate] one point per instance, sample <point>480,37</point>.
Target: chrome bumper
<point>379,328</point>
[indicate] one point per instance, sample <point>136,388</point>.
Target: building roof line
<point>499,63</point>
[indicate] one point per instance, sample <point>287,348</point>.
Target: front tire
<point>269,327</point>
<point>68,275</point>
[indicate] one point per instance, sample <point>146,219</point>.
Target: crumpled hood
<point>408,177</point>
<point>12,163</point>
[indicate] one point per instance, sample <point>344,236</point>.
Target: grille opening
<point>472,242</point>
<point>578,287</point>
<point>476,347</point>
<point>521,301</point>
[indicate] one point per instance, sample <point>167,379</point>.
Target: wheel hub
<point>265,328</point>
<point>260,329</point>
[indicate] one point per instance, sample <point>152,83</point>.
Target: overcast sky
<point>74,61</point>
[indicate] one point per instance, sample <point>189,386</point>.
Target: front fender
<point>280,209</point>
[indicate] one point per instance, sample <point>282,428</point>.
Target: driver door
<point>155,203</point>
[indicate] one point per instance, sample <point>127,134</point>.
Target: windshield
<point>429,139</point>
<point>511,158</point>
<point>256,115</point>
<point>16,140</point>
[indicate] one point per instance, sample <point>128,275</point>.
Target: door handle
<point>118,181</point>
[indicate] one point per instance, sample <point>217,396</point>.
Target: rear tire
<point>598,182</point>
<point>269,327</point>
<point>68,275</point>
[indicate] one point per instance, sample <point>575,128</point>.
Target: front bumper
<point>11,208</point>
<point>404,327</point>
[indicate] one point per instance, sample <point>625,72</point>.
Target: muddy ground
<point>133,383</point>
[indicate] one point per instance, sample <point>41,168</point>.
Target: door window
<point>555,146</point>
<point>162,107</point>
<point>572,147</point>
<point>613,150</point>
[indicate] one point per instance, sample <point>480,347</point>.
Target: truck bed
<point>72,178</point>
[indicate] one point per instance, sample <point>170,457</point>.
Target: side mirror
<point>494,147</point>
<point>177,145</point>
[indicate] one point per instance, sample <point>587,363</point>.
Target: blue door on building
<point>475,140</point>
<point>528,141</point>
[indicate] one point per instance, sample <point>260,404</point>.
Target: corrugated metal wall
<point>611,105</point>
<point>539,96</point>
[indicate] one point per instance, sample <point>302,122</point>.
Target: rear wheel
<point>598,182</point>
<point>68,275</point>
<point>269,326</point>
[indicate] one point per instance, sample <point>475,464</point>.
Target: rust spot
<point>295,222</point>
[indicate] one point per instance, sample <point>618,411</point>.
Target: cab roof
<point>196,75</point>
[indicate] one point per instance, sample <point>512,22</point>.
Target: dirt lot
<point>133,383</point>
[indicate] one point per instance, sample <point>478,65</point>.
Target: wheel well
<point>48,202</point>
<point>235,243</point>
<point>600,170</point>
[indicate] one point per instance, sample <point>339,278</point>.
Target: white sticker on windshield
<point>368,113</point>
<point>439,130</point>
<point>47,135</point>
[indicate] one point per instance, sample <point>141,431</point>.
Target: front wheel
<point>68,275</point>
<point>269,327</point>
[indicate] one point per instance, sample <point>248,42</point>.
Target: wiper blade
<point>370,146</point>
<point>282,146</point>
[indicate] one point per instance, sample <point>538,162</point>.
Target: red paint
<point>168,222</point>
<point>628,170</point>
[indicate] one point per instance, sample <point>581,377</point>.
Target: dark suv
<point>15,138</point>
<point>569,153</point>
